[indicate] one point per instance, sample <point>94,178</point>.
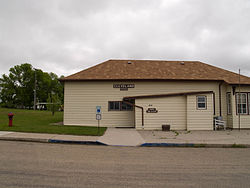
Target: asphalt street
<point>24,164</point>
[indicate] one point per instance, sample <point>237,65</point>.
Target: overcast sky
<point>66,36</point>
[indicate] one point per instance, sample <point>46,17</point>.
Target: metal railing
<point>219,123</point>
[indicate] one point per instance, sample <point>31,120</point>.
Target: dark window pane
<point>201,105</point>
<point>117,105</point>
<point>239,109</point>
<point>111,105</point>
<point>126,106</point>
<point>244,108</point>
<point>114,105</point>
<point>129,107</point>
<point>201,99</point>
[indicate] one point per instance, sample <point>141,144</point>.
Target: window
<point>114,105</point>
<point>229,105</point>
<point>201,102</point>
<point>126,107</point>
<point>120,106</point>
<point>241,103</point>
<point>248,102</point>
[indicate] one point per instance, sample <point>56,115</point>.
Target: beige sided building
<point>144,94</point>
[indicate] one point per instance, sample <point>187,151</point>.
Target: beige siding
<point>199,119</point>
<point>81,99</point>
<point>171,110</point>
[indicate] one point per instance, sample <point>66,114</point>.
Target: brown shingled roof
<point>156,70</point>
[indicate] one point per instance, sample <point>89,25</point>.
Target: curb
<point>24,139</point>
<point>166,145</point>
<point>195,145</point>
<point>76,142</point>
<point>39,140</point>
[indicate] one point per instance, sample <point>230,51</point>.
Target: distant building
<point>145,94</point>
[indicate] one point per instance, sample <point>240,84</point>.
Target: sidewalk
<point>51,138</point>
<point>132,137</point>
<point>221,138</point>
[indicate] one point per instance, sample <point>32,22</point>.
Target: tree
<point>17,88</point>
<point>8,93</point>
<point>53,103</point>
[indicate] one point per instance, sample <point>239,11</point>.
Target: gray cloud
<point>65,36</point>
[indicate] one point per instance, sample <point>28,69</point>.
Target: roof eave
<point>167,95</point>
<point>237,84</point>
<point>137,79</point>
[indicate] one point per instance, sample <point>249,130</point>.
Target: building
<point>146,94</point>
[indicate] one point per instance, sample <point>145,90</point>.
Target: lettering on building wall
<point>151,110</point>
<point>123,87</point>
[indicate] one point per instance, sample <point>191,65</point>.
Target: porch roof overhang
<point>167,95</point>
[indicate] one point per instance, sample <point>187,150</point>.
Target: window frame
<point>229,103</point>
<point>247,103</point>
<point>121,107</point>
<point>197,102</point>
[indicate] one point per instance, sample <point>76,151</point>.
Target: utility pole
<point>35,92</point>
<point>240,101</point>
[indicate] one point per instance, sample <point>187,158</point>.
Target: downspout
<point>220,97</point>
<point>214,102</point>
<point>142,111</point>
<point>214,109</point>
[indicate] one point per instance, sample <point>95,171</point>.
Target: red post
<point>10,115</point>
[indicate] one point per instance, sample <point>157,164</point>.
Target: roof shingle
<point>156,70</point>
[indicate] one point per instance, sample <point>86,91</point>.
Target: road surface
<point>24,164</point>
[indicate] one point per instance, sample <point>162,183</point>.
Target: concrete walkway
<point>121,137</point>
<point>2,133</point>
<point>221,137</point>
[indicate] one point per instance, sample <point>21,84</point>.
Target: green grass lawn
<point>41,122</point>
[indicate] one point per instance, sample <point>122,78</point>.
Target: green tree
<point>17,88</point>
<point>53,103</point>
<point>8,93</point>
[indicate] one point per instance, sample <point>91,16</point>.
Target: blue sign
<point>98,110</point>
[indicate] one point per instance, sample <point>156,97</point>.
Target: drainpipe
<point>142,111</point>
<point>214,102</point>
<point>220,97</point>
